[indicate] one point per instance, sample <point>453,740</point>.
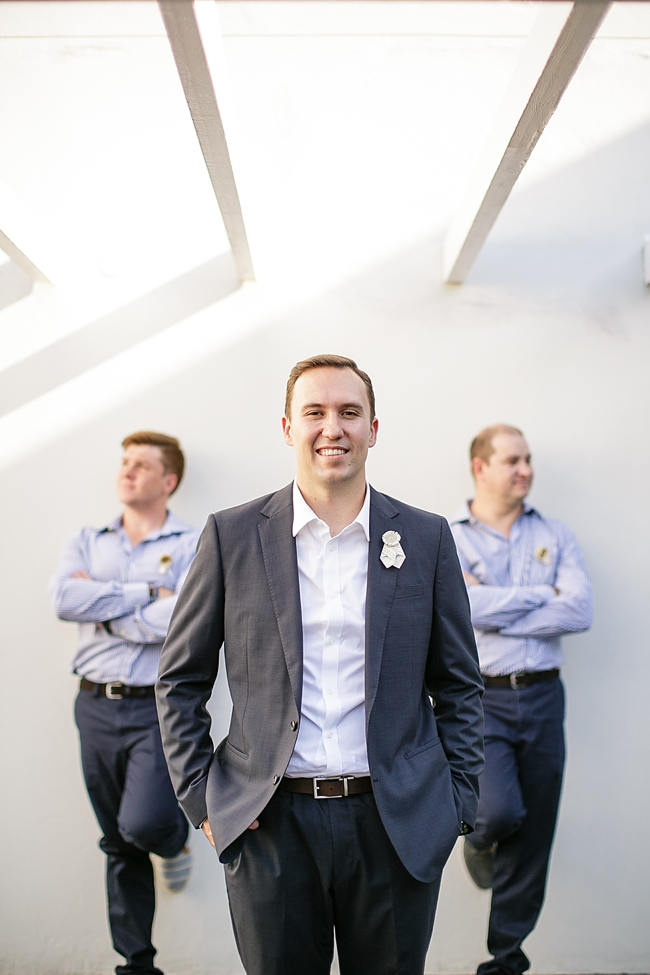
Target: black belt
<point>520,680</point>
<point>114,690</point>
<point>337,787</point>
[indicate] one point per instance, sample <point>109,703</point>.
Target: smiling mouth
<point>331,451</point>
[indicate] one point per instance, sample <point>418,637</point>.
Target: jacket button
<point>294,725</point>
<point>276,779</point>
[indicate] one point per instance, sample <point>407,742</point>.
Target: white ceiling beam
<point>548,61</point>
<point>193,31</point>
<point>18,256</point>
<point>19,238</point>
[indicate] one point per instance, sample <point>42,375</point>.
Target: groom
<point>355,741</point>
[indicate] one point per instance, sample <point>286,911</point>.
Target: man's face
<point>142,480</point>
<point>507,475</point>
<point>330,427</point>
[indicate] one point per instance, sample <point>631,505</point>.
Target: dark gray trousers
<point>519,798</point>
<point>318,868</point>
<point>130,791</point>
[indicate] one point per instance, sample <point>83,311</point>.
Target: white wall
<point>551,332</point>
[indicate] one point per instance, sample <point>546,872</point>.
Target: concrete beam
<point>193,32</point>
<point>548,61</point>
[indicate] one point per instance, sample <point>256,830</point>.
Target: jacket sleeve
<point>188,669</point>
<point>454,680</point>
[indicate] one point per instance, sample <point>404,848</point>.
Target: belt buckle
<point>329,778</point>
<point>113,690</point>
<point>514,681</point>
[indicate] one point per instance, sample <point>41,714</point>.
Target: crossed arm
<point>125,609</point>
<point>542,611</point>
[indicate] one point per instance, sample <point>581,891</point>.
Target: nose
<point>524,468</point>
<point>332,426</point>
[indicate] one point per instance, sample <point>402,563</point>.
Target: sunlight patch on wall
<point>145,365</point>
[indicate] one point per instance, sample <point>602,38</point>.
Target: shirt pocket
<point>542,566</point>
<point>164,570</point>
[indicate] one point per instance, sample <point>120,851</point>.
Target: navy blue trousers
<point>519,798</point>
<point>319,867</point>
<point>132,796</point>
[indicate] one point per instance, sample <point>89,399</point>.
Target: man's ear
<point>477,466</point>
<point>286,431</point>
<point>374,426</point>
<point>171,481</point>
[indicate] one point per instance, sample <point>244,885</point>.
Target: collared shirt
<point>333,576</point>
<point>518,617</point>
<point>118,592</point>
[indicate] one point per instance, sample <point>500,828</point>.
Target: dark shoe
<point>480,864</point>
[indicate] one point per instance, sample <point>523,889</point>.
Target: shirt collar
<point>464,514</point>
<point>171,526</point>
<point>303,514</point>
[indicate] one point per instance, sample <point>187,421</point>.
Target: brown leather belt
<point>114,690</point>
<point>338,787</point>
<point>520,680</point>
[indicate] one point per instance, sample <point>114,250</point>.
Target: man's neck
<point>337,508</point>
<point>140,522</point>
<point>499,515</point>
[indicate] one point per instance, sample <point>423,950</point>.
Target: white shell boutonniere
<point>165,564</point>
<point>392,554</point>
<point>543,555</point>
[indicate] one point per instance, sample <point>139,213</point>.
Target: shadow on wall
<point>577,222</point>
<point>116,332</point>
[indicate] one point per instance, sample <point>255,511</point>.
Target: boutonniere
<point>165,564</point>
<point>543,555</point>
<point>392,554</point>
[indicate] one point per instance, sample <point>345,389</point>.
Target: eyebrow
<point>342,406</point>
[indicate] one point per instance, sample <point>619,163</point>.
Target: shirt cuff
<point>546,591</point>
<point>136,594</point>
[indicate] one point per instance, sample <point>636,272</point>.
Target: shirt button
<point>294,725</point>
<point>276,779</point>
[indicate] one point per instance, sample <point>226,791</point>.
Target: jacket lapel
<point>281,566</point>
<point>380,591</point>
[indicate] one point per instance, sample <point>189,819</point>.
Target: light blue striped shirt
<point>118,591</point>
<point>518,618</point>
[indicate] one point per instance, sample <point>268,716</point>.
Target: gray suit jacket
<point>423,686</point>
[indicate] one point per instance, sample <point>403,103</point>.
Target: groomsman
<point>528,588</point>
<point>119,584</point>
<point>351,762</point>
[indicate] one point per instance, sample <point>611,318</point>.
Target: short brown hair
<point>172,457</point>
<point>327,361</point>
<point>482,445</point>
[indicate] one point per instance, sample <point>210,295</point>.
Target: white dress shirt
<point>333,576</point>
